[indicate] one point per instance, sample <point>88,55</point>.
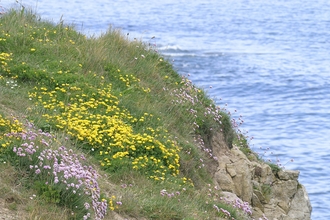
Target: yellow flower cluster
<point>90,112</point>
<point>127,79</point>
<point>111,205</point>
<point>43,35</point>
<point>4,58</point>
<point>97,120</point>
<point>8,126</point>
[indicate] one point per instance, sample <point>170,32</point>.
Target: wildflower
<point>87,205</point>
<point>163,192</point>
<point>33,49</point>
<point>225,212</point>
<point>216,207</point>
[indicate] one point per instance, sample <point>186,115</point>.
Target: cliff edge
<point>276,194</point>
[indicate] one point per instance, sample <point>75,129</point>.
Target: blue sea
<point>268,60</point>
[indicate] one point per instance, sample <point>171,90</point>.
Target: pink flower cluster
<point>163,192</point>
<point>238,204</point>
<point>243,206</point>
<point>63,166</point>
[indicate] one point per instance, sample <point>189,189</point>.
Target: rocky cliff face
<point>274,194</point>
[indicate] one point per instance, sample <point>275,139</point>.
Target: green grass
<point>117,102</point>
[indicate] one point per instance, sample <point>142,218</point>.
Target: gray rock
<point>224,180</point>
<point>266,176</point>
<point>288,174</point>
<point>231,170</point>
<point>278,197</point>
<point>230,197</point>
<point>283,192</point>
<point>243,178</point>
<point>272,211</point>
<point>257,213</point>
<point>300,206</point>
<point>256,202</point>
<point>260,196</point>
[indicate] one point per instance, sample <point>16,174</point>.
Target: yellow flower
<point>33,49</point>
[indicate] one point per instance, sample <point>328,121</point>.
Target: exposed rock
<point>266,173</point>
<point>274,212</point>
<point>288,174</point>
<point>231,170</point>
<point>255,184</point>
<point>230,197</point>
<point>260,196</point>
<point>238,155</point>
<point>300,208</point>
<point>225,181</point>
<point>257,203</point>
<point>217,143</point>
<point>278,197</point>
<point>283,192</point>
<point>257,213</point>
<point>243,181</point>
<point>234,174</point>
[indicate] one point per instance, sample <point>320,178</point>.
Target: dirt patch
<point>7,214</point>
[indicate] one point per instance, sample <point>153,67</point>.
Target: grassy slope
<point>80,88</point>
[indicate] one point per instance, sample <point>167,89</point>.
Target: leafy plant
<point>275,168</point>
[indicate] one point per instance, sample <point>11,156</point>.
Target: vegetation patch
<point>95,125</point>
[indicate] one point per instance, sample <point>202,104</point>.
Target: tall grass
<point>119,104</point>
